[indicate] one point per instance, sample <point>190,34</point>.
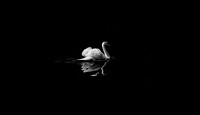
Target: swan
<point>95,53</point>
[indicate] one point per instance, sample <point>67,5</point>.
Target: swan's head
<point>105,43</point>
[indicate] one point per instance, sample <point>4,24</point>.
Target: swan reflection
<point>90,66</point>
<point>94,67</point>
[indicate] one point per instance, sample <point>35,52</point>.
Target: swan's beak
<point>108,44</point>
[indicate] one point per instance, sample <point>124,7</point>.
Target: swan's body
<point>95,54</point>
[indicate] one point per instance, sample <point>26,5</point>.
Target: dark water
<point>139,74</point>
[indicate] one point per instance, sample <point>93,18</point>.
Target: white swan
<point>95,54</point>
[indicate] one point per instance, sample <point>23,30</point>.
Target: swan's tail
<point>73,60</point>
<point>86,59</point>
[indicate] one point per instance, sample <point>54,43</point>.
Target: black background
<point>141,40</point>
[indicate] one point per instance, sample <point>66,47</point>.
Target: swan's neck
<point>105,51</point>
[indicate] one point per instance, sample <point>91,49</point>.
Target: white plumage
<point>95,54</point>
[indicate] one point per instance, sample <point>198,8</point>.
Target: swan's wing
<point>95,53</point>
<point>85,51</point>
